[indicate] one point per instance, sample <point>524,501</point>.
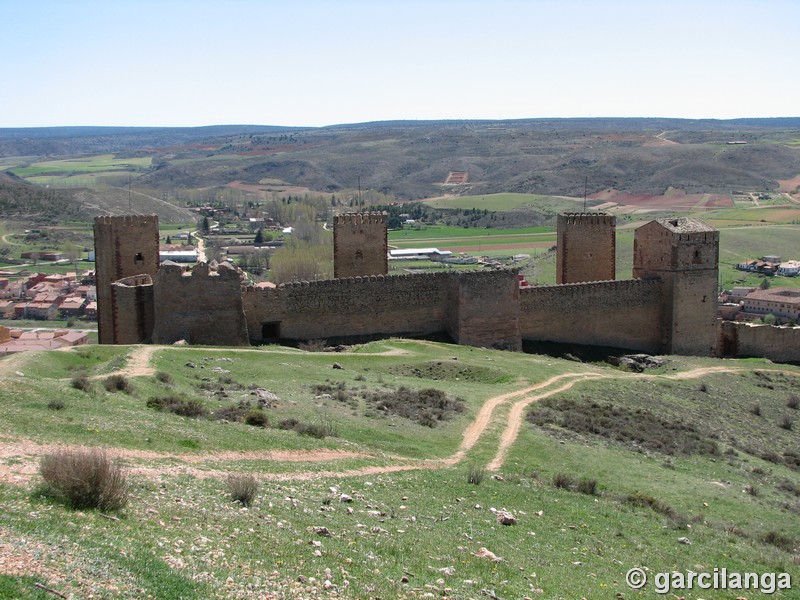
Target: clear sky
<point>319,62</point>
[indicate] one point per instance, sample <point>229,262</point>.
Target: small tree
<point>764,285</point>
<point>168,240</point>
<point>259,239</point>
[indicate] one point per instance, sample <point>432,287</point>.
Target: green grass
<point>181,536</point>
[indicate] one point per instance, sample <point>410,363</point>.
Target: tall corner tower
<point>360,245</point>
<point>684,254</point>
<point>586,247</point>
<point>124,246</point>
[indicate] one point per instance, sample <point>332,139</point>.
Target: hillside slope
<point>670,470</point>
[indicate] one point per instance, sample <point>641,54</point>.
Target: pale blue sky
<point>317,62</point>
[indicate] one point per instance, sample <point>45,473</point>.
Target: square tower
<point>684,254</point>
<point>586,247</point>
<point>124,246</point>
<point>360,245</point>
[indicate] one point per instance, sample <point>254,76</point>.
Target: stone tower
<point>125,247</point>
<point>586,247</point>
<point>359,245</point>
<point>684,254</point>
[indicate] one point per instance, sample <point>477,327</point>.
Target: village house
<point>783,302</point>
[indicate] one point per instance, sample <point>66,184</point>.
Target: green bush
<point>257,418</point>
<point>185,407</point>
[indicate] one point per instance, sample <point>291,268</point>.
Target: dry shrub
<point>118,383</point>
<point>84,478</point>
<point>257,418</point>
<point>179,406</point>
<point>81,382</point>
<point>563,481</point>
<point>242,488</point>
<point>164,377</point>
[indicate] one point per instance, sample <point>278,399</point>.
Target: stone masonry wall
<point>379,305</point>
<point>133,310</point>
<point>360,245</point>
<point>781,344</point>
<point>586,247</point>
<point>124,246</point>
<point>488,310</point>
<point>624,314</point>
<point>382,306</point>
<point>201,306</point>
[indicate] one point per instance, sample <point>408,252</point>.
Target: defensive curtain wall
<point>201,306</point>
<point>621,314</point>
<point>668,308</point>
<point>473,308</point>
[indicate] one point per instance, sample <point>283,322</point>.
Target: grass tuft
<point>242,488</point>
<point>84,478</point>
<point>118,383</point>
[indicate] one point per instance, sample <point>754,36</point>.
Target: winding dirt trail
<point>19,459</point>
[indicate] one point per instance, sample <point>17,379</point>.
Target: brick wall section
<point>133,310</point>
<point>360,245</point>
<point>119,243</point>
<point>586,247</point>
<point>624,314</point>
<point>781,344</point>
<point>382,306</point>
<point>684,254</point>
<point>201,306</point>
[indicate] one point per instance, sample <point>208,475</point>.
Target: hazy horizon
<point>312,63</point>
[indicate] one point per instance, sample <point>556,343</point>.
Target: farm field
<point>418,516</point>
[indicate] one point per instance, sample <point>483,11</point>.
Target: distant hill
<point>412,159</point>
<point>23,201</point>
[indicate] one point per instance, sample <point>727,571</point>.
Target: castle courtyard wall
<point>200,306</point>
<point>475,308</point>
<point>736,339</point>
<point>379,305</point>
<point>623,314</point>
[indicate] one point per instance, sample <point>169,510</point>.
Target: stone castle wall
<point>124,246</point>
<point>200,306</point>
<point>382,306</point>
<point>781,344</point>
<point>133,310</point>
<point>623,314</point>
<point>360,245</point>
<point>586,247</point>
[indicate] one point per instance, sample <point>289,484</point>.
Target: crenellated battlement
<point>579,288</point>
<point>361,218</point>
<point>126,220</point>
<point>599,219</point>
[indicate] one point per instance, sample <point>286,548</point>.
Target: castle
<point>668,307</point>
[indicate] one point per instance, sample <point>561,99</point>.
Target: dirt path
<point>19,459</point>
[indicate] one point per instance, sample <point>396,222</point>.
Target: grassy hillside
<point>640,460</point>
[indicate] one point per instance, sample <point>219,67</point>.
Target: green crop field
<point>386,505</point>
<point>103,162</point>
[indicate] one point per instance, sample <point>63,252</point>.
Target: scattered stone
<point>637,362</point>
<point>191,365</point>
<point>181,343</point>
<point>266,399</point>
<point>506,518</point>
<point>337,366</point>
<point>19,374</point>
<point>404,579</point>
<point>345,498</point>
<point>684,540</point>
<point>449,571</point>
<point>484,553</point>
<point>321,531</point>
<point>220,371</point>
